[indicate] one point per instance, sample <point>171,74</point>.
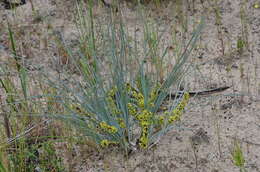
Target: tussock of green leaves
<point>238,156</point>
<point>114,104</point>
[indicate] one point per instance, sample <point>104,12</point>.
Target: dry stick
<point>191,93</point>
<point>195,155</point>
<point>25,133</point>
<point>194,93</point>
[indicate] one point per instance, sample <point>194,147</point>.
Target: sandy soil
<point>203,139</point>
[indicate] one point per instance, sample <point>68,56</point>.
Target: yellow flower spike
<point>117,112</point>
<point>144,123</point>
<point>140,117</point>
<point>143,142</point>
<point>144,115</point>
<point>128,87</point>
<point>256,5</point>
<point>176,111</point>
<point>145,130</point>
<point>112,129</point>
<point>106,127</point>
<point>135,95</point>
<point>141,103</point>
<point>110,99</point>
<point>181,106</point>
<point>112,92</point>
<point>121,123</point>
<point>161,120</point>
<point>143,145</point>
<point>173,118</point>
<point>102,125</point>
<point>131,109</point>
<point>186,96</point>
<point>140,96</point>
<point>104,143</point>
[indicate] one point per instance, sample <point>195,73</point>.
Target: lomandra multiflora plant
<point>116,100</point>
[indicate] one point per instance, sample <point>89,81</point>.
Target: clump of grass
<point>34,157</point>
<point>240,45</point>
<point>18,105</point>
<point>12,102</point>
<point>116,104</point>
<point>238,157</point>
<point>242,42</point>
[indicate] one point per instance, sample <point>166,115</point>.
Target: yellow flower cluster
<point>105,143</point>
<point>111,102</point>
<point>141,113</point>
<point>144,115</point>
<point>108,128</point>
<point>140,99</point>
<point>144,120</point>
<point>177,112</point>
<point>128,88</point>
<point>112,92</point>
<point>161,120</point>
<point>132,110</point>
<point>121,123</point>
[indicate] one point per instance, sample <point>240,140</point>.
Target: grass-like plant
<point>238,156</point>
<point>118,99</point>
<point>2,166</point>
<point>18,105</point>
